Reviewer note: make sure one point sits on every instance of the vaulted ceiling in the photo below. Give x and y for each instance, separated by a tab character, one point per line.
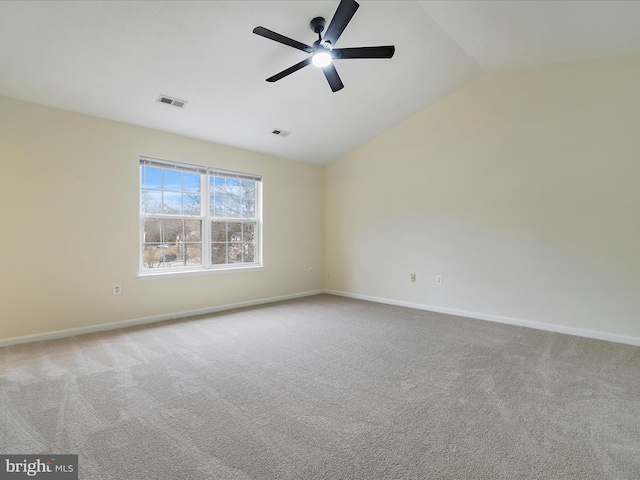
113	59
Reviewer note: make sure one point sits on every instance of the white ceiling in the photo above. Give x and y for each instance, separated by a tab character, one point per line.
113	58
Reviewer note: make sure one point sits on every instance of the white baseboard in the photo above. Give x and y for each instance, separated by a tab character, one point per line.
612	337
580	332
71	332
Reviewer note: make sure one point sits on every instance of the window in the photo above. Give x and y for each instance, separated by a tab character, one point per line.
197	218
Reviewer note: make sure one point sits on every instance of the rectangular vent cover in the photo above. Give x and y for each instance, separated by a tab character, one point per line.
172	101
280	132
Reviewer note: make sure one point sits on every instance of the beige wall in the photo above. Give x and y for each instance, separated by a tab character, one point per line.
521	189
69	230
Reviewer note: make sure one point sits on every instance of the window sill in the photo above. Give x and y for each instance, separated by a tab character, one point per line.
197	272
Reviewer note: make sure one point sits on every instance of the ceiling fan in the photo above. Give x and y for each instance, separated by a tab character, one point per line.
322	51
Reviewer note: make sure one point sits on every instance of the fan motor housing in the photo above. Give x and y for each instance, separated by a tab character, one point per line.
317	24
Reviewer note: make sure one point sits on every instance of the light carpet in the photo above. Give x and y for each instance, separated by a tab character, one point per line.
326	387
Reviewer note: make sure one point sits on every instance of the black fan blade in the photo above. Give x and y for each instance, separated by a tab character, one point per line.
340	20
271	35
333	78
289	70
364	52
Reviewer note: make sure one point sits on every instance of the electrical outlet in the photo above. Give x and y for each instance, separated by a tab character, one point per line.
413	277
310	271
438	279
116	289
328	274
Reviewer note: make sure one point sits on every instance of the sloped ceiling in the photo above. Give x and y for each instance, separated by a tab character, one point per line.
113	60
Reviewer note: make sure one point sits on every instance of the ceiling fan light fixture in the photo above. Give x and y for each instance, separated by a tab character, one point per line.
322	59
323	52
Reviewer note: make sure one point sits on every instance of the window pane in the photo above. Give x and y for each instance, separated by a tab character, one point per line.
172	203
193	253
144	199
151	201
152	177
234	206
172	180
248	208
233	186
191	204
248	199
220	207
230	197
248	189
219	253
234	232
192	230
249	252
152	230
150	256
235	252
234	191
191	182
217	185
218	231
169	258
172	230
248	232
186	254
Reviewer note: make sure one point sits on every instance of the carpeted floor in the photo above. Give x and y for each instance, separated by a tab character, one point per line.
326	387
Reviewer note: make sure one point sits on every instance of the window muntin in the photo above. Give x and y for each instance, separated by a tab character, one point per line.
171	242
233	242
170	192
232	197
197	218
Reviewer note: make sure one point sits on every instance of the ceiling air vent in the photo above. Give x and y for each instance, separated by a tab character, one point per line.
280	132
176	102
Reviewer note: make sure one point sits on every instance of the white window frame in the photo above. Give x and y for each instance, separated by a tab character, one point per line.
206	173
